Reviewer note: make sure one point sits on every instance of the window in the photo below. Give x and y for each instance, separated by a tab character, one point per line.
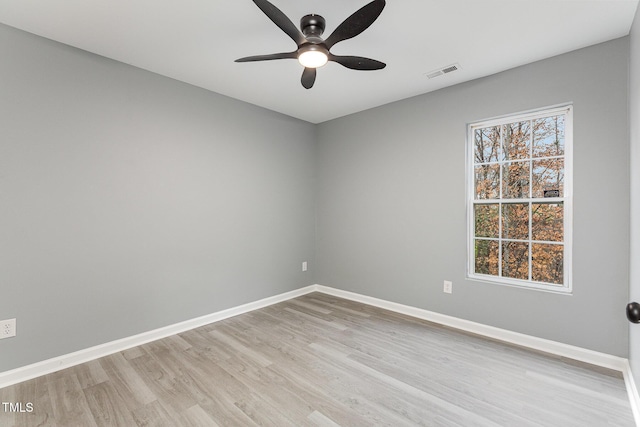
519	200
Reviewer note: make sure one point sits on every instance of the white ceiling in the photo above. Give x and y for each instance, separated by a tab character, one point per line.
196	41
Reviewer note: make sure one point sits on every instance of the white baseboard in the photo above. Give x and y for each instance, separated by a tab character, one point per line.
541	344
44	367
576	353
632	391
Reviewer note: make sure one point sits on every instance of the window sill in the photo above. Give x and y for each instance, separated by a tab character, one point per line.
529	286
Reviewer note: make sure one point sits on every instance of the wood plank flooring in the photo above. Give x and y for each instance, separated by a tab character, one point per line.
318	360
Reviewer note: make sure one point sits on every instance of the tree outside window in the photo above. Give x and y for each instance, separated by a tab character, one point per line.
518	199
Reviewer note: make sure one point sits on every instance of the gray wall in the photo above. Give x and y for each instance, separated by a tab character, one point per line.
129	201
634	123
391	200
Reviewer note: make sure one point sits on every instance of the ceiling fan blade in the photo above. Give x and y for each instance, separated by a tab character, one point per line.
308	77
356	23
284	55
281	20
357	62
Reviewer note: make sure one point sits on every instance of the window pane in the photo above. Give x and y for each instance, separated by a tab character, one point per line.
515	260
517	137
548	136
486	252
487	144
547	263
515	180
547	222
517	234
548	178
515	221
487	181
486	219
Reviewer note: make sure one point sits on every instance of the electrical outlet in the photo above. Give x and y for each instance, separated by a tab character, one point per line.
7	328
448	287
304	266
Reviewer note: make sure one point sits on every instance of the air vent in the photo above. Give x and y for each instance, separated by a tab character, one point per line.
441	71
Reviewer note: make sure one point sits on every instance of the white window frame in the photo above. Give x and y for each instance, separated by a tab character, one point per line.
567	200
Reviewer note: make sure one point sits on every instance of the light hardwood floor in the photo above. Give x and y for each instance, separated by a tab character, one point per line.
318	360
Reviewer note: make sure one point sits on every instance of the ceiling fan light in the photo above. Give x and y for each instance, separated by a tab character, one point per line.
313	57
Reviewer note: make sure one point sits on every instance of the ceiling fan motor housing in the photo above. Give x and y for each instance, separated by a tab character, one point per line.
312	25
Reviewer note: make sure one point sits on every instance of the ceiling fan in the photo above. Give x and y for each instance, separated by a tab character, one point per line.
313	51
